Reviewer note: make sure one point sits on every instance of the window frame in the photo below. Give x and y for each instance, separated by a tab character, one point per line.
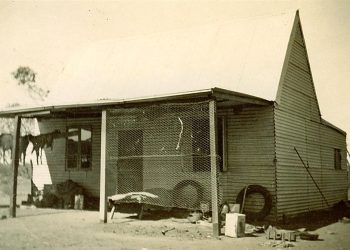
78	167
337	159
223	163
196	159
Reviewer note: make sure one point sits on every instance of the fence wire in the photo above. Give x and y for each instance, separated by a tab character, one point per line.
163	150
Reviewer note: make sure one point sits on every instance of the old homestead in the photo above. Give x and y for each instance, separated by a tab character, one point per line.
205	146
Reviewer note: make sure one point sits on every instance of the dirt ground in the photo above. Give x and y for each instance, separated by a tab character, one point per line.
68	229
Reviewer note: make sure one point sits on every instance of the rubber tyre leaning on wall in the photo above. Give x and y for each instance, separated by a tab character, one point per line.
267	201
183	184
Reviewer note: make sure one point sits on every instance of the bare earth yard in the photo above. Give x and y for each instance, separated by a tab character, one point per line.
69	229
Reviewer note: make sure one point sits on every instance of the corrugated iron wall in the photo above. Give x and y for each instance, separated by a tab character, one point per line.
298	124
250	152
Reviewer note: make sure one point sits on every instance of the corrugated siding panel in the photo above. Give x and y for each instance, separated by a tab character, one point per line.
298	124
250	148
55	159
299	37
298	57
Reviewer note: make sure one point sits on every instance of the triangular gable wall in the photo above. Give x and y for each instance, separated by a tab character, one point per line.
298	125
296	75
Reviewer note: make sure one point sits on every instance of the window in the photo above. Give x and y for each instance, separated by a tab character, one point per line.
337	158
78	148
201	144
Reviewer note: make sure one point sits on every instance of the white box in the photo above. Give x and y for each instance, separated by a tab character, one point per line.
235	225
79	202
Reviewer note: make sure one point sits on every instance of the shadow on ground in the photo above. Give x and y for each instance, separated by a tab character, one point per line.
152	212
314	220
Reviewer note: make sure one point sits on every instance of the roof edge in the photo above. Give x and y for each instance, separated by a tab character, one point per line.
204	93
330	125
229	94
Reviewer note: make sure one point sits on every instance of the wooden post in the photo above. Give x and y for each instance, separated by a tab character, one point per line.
214	169
15	162
103	197
32	192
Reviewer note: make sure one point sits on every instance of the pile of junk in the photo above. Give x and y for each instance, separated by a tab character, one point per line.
64	195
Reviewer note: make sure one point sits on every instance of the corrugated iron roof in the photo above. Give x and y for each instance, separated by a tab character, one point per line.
221	95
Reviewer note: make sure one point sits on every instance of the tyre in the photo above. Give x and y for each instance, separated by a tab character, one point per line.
265	210
183	198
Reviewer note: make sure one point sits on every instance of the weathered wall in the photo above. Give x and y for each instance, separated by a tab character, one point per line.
250	148
55	159
298	124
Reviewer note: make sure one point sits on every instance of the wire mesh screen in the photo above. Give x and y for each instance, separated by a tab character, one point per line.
163	151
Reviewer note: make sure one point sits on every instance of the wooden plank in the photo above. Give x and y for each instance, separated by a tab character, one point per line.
214	169
103	186
15	162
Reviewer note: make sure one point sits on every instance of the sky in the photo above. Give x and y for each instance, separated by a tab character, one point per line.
45	34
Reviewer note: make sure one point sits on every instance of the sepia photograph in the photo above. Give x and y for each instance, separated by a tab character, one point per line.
174	124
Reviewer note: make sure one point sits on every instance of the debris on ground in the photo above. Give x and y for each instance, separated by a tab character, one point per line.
302	229
308	236
273	233
167	230
194	217
205	209
278	243
251	229
278	234
259	229
344	220
61	195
